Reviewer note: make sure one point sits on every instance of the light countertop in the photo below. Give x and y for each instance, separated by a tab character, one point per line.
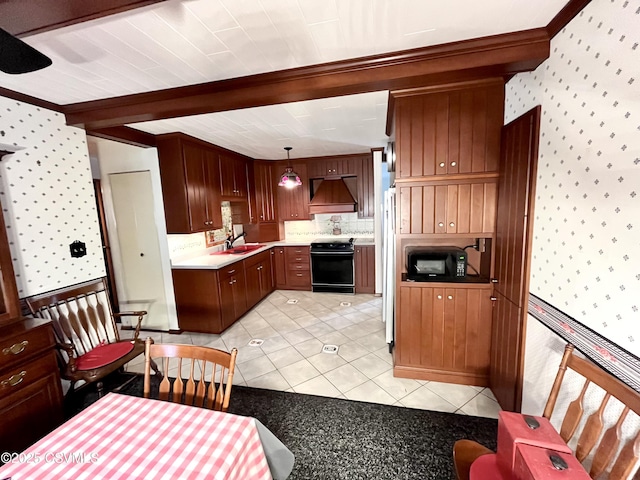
216	262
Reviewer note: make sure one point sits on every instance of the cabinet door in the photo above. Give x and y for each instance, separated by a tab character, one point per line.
239	293
9	303
253	284
265	192
280	268
364	260
446	332
240	177
452	208
196	178
293	203
227	170
214	207
365	187
197	300
449	132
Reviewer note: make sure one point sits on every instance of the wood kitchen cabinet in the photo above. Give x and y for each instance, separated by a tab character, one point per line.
292	267
30	392
293	203
258	277
232	287
443	332
448	130
263	225
364	265
9	302
448	207
190	187
365	186
233	176
341	166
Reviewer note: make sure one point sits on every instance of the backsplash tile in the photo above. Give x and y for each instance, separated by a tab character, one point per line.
322	226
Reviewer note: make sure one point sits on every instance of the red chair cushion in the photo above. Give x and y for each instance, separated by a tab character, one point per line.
103	355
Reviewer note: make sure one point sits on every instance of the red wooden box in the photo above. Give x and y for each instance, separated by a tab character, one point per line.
536	463
513	430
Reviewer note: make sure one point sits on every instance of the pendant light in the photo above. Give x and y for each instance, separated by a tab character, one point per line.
289	178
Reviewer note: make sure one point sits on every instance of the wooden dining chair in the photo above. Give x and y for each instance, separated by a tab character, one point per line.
88	343
207	372
605	446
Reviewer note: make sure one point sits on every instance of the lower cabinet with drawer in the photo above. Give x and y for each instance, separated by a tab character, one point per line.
30	389
293	268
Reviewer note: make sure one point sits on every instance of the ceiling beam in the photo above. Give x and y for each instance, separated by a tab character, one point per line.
124	134
495	55
564	16
22	18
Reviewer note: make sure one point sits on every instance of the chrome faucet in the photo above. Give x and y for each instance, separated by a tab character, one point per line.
228	243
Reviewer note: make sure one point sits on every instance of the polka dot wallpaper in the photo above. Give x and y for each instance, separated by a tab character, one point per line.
47	198
586	246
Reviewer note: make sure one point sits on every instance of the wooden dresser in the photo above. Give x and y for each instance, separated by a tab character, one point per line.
30	389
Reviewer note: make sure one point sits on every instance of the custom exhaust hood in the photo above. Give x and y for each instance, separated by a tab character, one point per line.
332	196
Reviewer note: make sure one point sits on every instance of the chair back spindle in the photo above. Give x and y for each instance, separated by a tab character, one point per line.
204	382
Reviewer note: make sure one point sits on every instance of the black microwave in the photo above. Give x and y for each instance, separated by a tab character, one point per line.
436	264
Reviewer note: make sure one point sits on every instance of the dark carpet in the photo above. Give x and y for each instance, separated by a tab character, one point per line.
343	439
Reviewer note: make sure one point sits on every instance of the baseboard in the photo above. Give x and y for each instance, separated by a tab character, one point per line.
447	376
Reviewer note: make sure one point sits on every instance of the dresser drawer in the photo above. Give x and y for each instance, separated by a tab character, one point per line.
19	347
13	380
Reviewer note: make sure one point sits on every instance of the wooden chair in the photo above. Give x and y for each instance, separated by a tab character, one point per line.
89	346
591	438
206	366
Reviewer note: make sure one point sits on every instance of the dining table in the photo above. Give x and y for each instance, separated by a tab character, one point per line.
127	437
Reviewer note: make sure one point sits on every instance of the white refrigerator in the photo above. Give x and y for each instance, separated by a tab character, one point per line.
389	264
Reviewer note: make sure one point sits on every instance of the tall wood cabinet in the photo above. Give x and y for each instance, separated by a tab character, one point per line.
447	157
30	389
293	203
190	184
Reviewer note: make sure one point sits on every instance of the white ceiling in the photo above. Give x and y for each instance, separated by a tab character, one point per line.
183	42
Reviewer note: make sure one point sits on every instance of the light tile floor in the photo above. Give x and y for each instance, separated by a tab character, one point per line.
295	326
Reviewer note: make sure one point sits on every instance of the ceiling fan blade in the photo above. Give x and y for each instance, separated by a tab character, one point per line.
18	57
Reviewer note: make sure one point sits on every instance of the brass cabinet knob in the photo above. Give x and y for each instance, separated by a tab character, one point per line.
453	164
441	164
450	297
441	224
439	297
452	224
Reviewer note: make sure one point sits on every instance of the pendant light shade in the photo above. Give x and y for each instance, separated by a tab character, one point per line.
289	178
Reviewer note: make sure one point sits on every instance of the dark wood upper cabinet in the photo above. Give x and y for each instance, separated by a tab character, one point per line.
233	176
9	303
190	189
264	192
449	130
293	203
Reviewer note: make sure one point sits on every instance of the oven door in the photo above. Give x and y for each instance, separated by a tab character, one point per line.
332	269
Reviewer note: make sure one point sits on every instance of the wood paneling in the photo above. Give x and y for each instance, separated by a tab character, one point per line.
365	268
449	132
265	191
444	329
496	56
456	207
516	192
28	18
570	10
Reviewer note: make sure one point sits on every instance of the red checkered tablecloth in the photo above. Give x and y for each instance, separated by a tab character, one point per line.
124	437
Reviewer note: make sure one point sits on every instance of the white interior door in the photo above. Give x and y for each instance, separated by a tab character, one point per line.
141	283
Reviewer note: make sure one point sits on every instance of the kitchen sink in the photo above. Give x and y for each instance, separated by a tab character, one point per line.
239	250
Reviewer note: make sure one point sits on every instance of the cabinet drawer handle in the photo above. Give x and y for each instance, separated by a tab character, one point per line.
441	224
14	379
298	274
450	297
298	259
494	280
16	348
231	271
493	299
